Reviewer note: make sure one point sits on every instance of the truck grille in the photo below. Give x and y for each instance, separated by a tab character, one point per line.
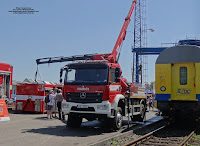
89	98
82	109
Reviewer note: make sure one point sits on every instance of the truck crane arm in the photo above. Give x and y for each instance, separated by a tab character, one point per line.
113	57
64	59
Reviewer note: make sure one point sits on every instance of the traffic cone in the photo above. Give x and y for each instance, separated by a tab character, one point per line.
4	116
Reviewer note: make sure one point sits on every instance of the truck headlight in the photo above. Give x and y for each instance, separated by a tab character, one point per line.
65	105
102	107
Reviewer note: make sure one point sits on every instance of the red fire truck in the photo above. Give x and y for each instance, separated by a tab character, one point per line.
6	72
94	88
30	97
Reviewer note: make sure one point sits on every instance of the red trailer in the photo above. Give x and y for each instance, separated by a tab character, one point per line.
6	72
30	97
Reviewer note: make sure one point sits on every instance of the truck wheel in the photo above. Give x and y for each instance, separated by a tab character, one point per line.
141	116
74	121
117	121
143	113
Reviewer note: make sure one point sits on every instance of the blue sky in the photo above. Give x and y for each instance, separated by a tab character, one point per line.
75	27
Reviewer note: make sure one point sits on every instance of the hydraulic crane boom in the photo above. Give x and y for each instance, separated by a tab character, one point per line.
122	35
111	57
64	59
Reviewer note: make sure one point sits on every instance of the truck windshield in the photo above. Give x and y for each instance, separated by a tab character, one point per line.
86	76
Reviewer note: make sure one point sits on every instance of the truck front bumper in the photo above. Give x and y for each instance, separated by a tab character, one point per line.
103	108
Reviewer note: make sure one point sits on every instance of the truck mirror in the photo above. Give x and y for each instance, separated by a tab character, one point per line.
117	80
60	80
117	72
61	72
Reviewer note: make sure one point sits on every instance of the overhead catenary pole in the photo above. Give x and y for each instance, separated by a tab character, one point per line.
140	63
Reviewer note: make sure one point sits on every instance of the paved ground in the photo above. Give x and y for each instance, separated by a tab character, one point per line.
35	129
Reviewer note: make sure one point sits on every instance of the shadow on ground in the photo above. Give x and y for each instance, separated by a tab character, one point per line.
23	113
64	131
89	128
11	111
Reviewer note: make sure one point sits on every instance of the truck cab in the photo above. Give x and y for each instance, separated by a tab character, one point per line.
88	91
94	90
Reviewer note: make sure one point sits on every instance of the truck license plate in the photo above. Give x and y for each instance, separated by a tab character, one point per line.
82	106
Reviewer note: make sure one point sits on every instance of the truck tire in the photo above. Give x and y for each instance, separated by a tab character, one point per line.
74	121
141	116
143	113
116	123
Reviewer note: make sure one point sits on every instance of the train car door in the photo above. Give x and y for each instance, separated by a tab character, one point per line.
183	82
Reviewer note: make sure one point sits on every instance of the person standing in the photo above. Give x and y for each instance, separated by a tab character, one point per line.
50	104
54	110
153	101
59	100
150	102
55	89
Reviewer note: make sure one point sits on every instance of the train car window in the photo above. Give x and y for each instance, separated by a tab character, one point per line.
183	75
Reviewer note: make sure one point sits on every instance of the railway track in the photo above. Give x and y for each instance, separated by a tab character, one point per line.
151	139
128	135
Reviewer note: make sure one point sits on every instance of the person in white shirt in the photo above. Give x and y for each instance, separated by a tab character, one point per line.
55	89
50	104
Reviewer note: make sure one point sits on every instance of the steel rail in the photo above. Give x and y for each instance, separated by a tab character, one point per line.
187	139
143	137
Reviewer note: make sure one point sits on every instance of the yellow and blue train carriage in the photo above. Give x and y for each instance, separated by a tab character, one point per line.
178	81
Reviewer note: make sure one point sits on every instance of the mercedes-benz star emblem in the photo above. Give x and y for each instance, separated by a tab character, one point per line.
83	95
